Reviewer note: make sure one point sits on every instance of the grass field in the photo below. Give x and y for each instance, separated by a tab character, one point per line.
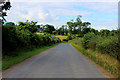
9	61
61	37
39	33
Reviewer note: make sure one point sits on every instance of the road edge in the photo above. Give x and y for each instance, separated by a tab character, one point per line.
102	70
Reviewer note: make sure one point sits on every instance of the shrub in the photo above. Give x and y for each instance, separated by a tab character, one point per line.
85	40
23	38
65	40
17	38
94	41
109	46
31	26
69	38
9	41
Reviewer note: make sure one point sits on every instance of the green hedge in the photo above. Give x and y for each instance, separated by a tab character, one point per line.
108	45
14	39
85	40
104	60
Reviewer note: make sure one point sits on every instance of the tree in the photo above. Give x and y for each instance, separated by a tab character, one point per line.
113	32
86	24
31	26
70	27
4	6
63	30
79	23
54	32
66	30
74	28
10	24
104	32
49	28
94	31
59	31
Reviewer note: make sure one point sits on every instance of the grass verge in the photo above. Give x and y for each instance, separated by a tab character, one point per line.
105	61
9	61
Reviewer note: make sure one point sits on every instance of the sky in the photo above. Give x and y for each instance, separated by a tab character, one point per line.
101	14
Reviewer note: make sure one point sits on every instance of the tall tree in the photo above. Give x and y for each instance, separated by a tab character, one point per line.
86	24
63	29
70	27
49	28
79	23
66	30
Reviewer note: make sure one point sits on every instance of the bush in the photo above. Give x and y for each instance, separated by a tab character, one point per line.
109	46
31	26
85	40
23	38
94	41
15	38
69	38
65	40
9	41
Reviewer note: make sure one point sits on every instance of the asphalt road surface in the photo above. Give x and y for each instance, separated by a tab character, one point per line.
62	61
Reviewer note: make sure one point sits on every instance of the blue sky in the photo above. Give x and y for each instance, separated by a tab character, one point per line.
102	15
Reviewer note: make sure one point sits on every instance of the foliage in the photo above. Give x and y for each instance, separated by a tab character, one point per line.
9	38
49	28
104	33
104	60
22	37
65	40
4	6
108	45
31	26
87	37
94	41
69	38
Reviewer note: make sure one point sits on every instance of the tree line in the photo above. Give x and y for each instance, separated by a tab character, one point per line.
76	27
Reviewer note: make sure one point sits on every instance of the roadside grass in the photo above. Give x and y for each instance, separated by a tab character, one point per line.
104	60
9	61
61	37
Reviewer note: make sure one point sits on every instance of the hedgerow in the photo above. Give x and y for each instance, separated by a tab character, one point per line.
87	37
15	38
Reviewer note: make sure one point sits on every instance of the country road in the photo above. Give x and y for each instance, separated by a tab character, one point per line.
62	61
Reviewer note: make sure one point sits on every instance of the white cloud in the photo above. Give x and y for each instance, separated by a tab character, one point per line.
49	12
36	12
104	27
70	12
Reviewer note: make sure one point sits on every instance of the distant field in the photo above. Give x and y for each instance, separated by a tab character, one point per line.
61	37
39	33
